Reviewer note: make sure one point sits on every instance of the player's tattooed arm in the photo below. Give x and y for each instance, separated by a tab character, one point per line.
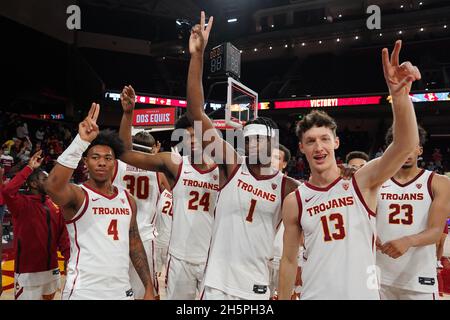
138	256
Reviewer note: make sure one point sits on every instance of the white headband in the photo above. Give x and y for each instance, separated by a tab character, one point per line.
142	146
259	130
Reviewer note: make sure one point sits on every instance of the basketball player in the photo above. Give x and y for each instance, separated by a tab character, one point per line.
146	187
336	216
248	208
413	207
194	191
101	219
164	226
356	159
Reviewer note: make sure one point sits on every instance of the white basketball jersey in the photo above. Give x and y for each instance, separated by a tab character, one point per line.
278	244
248	212
402	211
99	248
164	219
145	187
339	242
194	199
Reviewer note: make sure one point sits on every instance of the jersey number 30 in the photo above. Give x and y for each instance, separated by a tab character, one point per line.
138	187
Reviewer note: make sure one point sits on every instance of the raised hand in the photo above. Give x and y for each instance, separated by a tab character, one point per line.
128	99
399	77
88	129
36	160
199	35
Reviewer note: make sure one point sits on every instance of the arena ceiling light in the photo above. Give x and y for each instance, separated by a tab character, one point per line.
356	38
401	7
421	29
400	32
340	16
231	20
380	34
272	26
285	45
320	41
270	48
445	26
338	40
303	44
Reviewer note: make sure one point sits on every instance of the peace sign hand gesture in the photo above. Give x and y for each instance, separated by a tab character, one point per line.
199	35
88	129
399	78
128	99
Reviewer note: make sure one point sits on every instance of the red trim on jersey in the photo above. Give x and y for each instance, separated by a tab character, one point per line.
358	193
86	205
129	201
373	242
300	206
17	295
331	185
278	225
409	182
203	294
167	270
116	168
430	190
283	187
204	171
178	175
230	177
259	177
116	192
78	258
160	188
155	277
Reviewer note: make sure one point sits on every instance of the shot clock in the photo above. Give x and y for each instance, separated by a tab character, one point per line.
225	59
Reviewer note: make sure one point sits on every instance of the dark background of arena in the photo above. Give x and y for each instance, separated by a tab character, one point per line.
48	69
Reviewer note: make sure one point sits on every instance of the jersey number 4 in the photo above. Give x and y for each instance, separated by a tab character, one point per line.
194	202
338	226
112	229
138	187
407	208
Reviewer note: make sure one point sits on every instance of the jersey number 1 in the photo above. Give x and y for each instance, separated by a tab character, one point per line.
112	229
